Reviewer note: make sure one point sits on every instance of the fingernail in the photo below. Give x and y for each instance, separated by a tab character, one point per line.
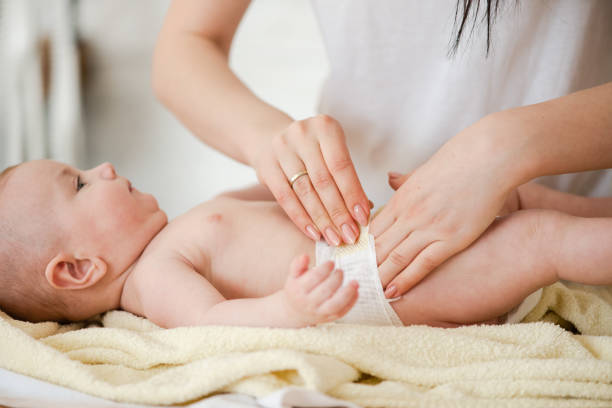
313	233
360	215
349	234
332	236
356	230
393	174
390	292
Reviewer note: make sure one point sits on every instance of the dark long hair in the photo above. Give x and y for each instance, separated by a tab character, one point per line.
467	9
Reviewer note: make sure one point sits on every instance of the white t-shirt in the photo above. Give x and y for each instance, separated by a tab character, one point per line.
399	97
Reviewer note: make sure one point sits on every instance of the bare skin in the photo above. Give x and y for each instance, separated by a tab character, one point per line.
423	224
235	248
239	260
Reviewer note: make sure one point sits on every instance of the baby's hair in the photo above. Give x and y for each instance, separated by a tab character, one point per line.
24	294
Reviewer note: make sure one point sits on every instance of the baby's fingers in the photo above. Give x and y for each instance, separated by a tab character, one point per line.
326	288
298	266
311	279
341	302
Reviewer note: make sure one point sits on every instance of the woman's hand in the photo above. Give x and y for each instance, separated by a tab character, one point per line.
309	171
442	207
512	203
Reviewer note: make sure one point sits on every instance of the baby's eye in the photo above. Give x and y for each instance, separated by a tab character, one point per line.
79	183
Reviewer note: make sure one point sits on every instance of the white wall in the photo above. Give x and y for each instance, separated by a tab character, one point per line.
277	52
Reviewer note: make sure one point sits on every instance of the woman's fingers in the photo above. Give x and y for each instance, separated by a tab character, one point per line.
326	186
397	179
305	194
404	252
311	202
383	220
389	216
338	160
327	190
389	240
288	200
425	262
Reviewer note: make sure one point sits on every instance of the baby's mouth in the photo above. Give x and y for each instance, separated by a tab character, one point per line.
130	186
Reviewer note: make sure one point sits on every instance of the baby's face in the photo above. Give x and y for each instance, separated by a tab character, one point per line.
101	212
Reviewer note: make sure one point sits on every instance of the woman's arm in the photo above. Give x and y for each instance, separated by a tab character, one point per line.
451	199
191	76
569	134
257	192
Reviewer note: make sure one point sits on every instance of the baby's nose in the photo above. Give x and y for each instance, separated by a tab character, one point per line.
107	171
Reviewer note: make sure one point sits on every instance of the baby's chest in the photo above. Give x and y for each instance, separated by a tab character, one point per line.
242	246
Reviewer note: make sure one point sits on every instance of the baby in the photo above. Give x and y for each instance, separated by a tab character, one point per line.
77	243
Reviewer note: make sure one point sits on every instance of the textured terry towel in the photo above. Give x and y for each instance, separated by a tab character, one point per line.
126	358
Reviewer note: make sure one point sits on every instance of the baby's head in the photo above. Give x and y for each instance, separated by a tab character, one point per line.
67	237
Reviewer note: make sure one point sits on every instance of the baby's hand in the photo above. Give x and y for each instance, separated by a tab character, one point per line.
315	295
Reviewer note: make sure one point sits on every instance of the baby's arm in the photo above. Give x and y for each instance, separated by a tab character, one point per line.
171	294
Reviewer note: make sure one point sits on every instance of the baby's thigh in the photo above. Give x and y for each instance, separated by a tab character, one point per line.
484	281
475	285
437	302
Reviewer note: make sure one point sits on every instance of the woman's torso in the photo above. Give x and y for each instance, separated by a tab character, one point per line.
399	96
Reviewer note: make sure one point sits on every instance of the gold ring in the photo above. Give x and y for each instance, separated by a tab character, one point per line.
296	176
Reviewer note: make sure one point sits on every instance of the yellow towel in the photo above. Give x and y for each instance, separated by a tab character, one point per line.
126	358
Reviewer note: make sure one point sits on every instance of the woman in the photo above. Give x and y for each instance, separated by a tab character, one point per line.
473	98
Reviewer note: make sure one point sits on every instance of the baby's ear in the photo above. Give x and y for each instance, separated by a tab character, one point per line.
65	271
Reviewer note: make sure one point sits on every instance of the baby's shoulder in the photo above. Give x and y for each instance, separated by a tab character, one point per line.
204	230
190	237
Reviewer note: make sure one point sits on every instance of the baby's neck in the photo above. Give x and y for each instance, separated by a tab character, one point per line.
128	298
102	297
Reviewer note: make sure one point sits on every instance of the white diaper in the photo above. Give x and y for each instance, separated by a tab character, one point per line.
358	262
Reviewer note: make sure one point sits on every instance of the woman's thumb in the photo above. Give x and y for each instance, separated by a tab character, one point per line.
397	179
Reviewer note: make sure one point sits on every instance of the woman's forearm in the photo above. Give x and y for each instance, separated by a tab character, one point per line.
192	78
564	135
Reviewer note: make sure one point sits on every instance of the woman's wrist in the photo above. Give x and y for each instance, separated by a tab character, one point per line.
499	146
519	131
261	140
562	135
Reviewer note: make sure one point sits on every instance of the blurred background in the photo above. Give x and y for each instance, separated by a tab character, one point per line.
75	86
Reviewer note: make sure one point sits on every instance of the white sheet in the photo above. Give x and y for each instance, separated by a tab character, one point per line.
19	391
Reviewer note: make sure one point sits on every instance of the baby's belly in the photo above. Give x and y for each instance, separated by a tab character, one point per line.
254	249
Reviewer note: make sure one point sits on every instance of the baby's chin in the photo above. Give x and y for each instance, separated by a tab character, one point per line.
146	197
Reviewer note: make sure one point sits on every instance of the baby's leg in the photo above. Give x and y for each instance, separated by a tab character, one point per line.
534	195
583	249
488	279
